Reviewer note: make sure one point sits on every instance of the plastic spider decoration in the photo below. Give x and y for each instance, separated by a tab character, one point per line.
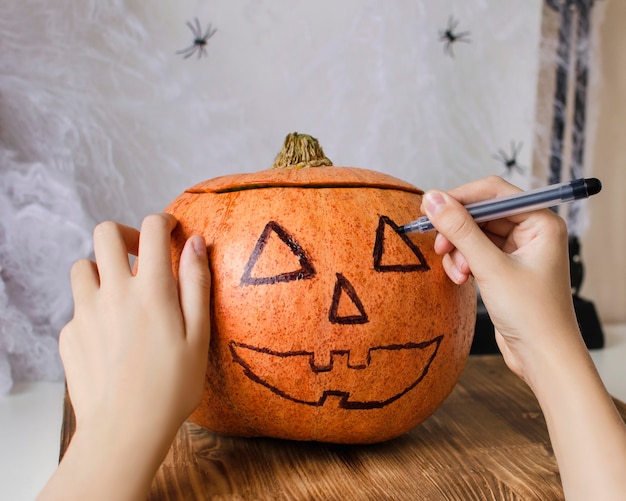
510	161
200	40
450	36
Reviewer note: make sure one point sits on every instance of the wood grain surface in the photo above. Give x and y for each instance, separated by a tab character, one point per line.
488	441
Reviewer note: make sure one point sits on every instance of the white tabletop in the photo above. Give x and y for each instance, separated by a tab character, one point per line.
31	415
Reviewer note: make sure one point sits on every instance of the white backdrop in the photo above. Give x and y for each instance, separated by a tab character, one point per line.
101	119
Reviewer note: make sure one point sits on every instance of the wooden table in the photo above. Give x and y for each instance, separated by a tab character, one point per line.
488	441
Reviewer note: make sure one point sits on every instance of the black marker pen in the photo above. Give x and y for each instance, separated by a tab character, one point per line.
519	203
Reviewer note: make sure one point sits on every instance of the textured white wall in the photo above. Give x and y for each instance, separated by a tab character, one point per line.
101	119
371	80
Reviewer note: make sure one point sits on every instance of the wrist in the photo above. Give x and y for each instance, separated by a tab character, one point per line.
109	454
556	355
130	440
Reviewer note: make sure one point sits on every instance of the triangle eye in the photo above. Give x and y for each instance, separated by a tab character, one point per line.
394	251
276	257
344	287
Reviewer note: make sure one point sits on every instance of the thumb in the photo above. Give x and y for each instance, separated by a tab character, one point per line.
194	280
453	221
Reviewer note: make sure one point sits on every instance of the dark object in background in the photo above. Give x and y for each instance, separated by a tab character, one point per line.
588	320
586	315
200	40
484	342
450	36
510	160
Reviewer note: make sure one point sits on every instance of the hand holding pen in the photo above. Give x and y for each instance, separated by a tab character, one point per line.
521	266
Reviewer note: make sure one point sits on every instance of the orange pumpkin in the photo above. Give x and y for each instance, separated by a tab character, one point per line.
327	323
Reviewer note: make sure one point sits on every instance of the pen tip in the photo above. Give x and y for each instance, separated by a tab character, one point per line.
593	186
401	230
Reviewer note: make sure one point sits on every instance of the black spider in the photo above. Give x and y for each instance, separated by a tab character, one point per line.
200	40
510	162
450	37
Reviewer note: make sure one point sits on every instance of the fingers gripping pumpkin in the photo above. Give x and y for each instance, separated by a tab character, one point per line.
327	323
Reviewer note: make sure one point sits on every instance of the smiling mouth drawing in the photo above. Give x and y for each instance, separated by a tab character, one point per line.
293	375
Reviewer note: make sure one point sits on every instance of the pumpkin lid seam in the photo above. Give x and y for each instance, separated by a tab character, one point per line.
260	186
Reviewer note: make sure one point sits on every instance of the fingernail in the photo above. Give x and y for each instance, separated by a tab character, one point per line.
456	273
199	245
434	202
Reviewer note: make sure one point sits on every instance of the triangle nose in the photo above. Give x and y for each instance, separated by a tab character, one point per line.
344	288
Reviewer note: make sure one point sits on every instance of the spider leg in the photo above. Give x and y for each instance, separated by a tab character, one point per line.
208	33
501	156
191	28
191	48
462	37
198	30
188	52
187	49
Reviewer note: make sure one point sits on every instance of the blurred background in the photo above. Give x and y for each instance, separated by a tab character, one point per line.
103	117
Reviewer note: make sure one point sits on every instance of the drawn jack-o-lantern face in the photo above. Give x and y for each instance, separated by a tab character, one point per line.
328	324
344	308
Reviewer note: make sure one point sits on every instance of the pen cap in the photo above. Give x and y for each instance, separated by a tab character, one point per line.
586	187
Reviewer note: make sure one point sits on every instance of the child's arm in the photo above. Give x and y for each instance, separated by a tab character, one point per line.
521	267
135	356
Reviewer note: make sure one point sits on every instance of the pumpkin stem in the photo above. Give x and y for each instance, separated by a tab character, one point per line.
300	150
